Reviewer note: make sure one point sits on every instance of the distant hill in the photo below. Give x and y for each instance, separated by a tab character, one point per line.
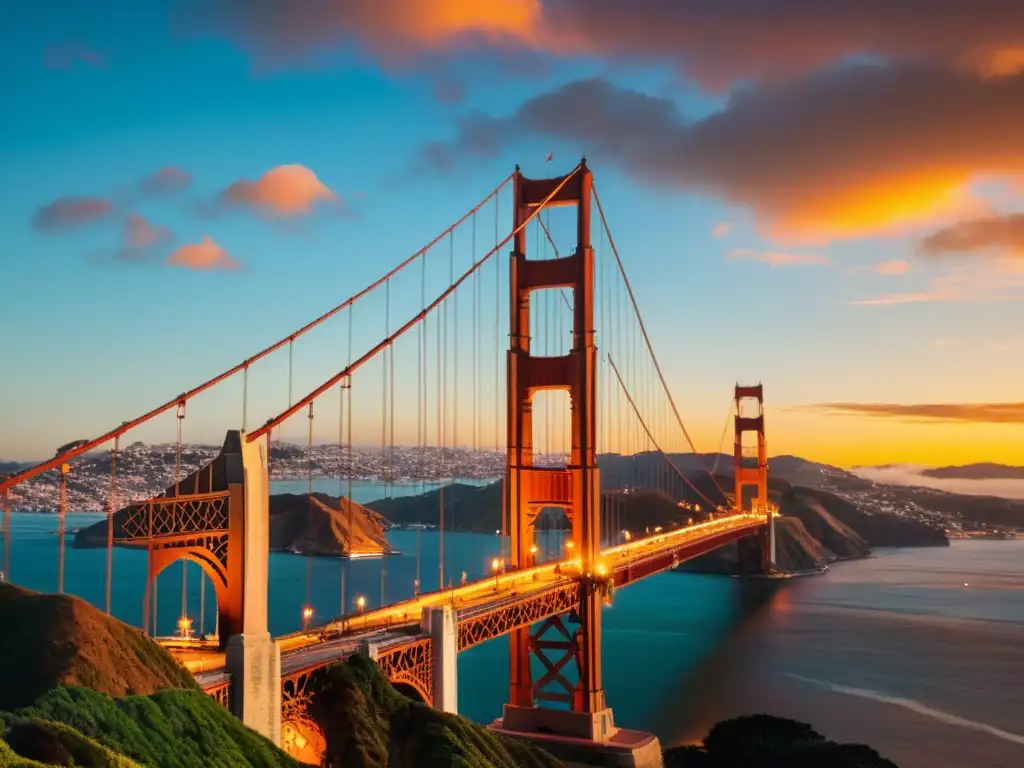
325	525
477	509
982	471
819	527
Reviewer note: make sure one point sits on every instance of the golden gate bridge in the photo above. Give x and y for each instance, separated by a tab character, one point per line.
572	329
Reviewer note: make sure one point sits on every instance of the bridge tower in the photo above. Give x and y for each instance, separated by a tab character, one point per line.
575	488
219	518
756	476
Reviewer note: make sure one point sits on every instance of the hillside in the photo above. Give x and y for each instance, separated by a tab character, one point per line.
981	471
796	551
54	640
878	530
169	729
368	724
325	525
478	509
824	526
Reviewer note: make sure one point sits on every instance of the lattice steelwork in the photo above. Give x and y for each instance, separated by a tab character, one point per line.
479	625
221	693
173	517
411	664
295	697
553	635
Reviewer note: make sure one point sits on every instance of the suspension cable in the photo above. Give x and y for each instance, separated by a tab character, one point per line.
643	424
56	461
440	448
647	339
369	355
721	440
497	326
177	493
455	378
308	608
111	507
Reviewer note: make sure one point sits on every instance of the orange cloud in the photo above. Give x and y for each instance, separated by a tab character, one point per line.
721	229
996	62
205	255
397	30
69	212
892	267
850	152
718	42
777	259
287	190
978	413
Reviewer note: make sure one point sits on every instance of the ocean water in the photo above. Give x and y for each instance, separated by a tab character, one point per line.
894	651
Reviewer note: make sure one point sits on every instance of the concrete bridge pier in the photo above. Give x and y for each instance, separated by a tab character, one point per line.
441	624
253	657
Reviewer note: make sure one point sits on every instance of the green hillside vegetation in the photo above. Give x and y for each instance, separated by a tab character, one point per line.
53	640
31	743
169	729
367	723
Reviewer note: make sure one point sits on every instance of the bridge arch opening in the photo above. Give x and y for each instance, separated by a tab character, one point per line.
552	530
205	587
552	422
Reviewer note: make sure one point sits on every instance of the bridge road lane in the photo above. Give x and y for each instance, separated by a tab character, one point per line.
615	562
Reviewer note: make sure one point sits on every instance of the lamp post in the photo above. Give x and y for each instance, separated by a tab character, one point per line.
495	565
307	616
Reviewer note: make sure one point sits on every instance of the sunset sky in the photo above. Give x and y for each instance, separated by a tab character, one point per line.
821	195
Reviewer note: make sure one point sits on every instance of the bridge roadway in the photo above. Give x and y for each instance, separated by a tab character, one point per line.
621	564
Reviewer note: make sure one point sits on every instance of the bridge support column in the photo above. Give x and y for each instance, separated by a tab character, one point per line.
440	623
253	657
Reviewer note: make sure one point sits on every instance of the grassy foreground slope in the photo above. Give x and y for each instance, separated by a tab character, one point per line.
367	723
169	729
54	640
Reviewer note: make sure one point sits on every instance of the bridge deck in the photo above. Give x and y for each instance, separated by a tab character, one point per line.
624	564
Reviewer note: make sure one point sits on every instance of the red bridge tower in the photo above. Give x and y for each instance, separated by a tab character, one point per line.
574	489
757	476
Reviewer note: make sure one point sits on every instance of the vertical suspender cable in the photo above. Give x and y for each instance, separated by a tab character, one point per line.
308	608
177	494
111	508
440	446
455	374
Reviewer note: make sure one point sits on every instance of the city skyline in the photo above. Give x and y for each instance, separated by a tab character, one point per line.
203	178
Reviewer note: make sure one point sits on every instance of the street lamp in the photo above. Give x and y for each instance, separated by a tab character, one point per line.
307	615
533	553
360	603
185	627
495	565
